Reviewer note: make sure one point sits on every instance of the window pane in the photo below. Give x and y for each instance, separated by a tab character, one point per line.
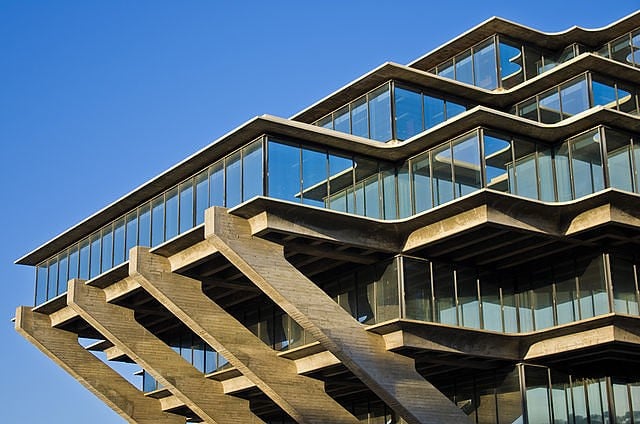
549	107
73	262
367	180
627	100
417	289
84	259
95	255
528	109
283	171
107	249
446	69
202	196
454	109
442	179
604	94
341	120
484	65
497	156
171	214
621	402
63	273
421	180
542	297
511	71
567	309
593	294
41	283
433	111
575	97
619	160
380	114
144	225
314	177
408	113
233	180
563	175
526	176
444	293
52	287
186	206
216	184
491	305
466	164
132	232
252	170
340	181
621	50
545	175
537	395
359	118
326	122
404	192
389	194
586	164
625	299
387	304
118	242
157	221
464	70
468	300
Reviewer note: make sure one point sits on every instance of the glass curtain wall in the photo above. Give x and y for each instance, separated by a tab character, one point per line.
584	164
625	49
577	95
500	62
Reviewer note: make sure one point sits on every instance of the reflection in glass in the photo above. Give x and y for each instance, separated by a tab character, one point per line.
380	114
202	196
625	291
408	109
442	178
144	225
252	171
284	171
497	152
157	221
84	259
171	213
586	164
421	179
314	177
575	97
466	164
132	232
464	69
216	184
619	161
433	111
549	107
118	241
52	287
511	70
186	206
95	255
359	118
484	65
233	180
63	268
107	249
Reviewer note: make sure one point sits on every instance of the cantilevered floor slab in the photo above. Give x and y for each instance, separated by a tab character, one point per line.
303	398
100	379
203	396
391	376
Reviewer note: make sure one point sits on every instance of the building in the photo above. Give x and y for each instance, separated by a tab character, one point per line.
449	241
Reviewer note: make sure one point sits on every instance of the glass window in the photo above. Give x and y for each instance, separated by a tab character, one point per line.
621	50
546	175
252	171
233	179
144	225
549	107
283	171
563	174
198	354
466	164
340	180
341	120
468	299
627	100
453	109
107	249
497	157
446	69
484	65
464	69
567	309
202	195
216	184
593	293
63	273
575	97
380	114
389	194
619	162
417	289
511	70
95	255
132	232
526	175
73	262
314	177
491	305
542	299
529	109
387	303
586	164
118	242
41	283
52	287
625	292
171	214
186	205
621	402
326	122
84	259
433	111
359	118
366	175
421	180
157	221
537	394
404	191
442	178
408	111
365	288
604	94
444	294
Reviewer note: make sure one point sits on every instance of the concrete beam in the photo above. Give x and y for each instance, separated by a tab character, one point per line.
277	377
203	396
110	387
391	376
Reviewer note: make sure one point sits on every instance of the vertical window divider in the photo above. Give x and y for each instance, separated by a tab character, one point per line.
433	294
608	280
604	156
401	283
496	46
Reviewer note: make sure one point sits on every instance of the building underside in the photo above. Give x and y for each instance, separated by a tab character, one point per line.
481	269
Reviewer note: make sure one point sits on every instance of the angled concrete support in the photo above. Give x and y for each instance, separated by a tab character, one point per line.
101	380
203	396
277	377
391	376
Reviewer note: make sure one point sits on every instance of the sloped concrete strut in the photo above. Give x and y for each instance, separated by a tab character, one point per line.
100	379
303	398
391	376
203	396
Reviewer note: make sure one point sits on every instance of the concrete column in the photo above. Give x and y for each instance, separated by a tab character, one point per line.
203	396
303	398
101	380
391	376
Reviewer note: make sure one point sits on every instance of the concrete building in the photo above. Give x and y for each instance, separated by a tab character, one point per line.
450	241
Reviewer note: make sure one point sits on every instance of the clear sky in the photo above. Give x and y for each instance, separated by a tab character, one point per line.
96	97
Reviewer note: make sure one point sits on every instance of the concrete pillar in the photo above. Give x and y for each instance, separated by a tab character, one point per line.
391	376
303	398
203	396
101	380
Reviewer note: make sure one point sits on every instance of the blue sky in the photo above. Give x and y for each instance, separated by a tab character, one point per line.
98	97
